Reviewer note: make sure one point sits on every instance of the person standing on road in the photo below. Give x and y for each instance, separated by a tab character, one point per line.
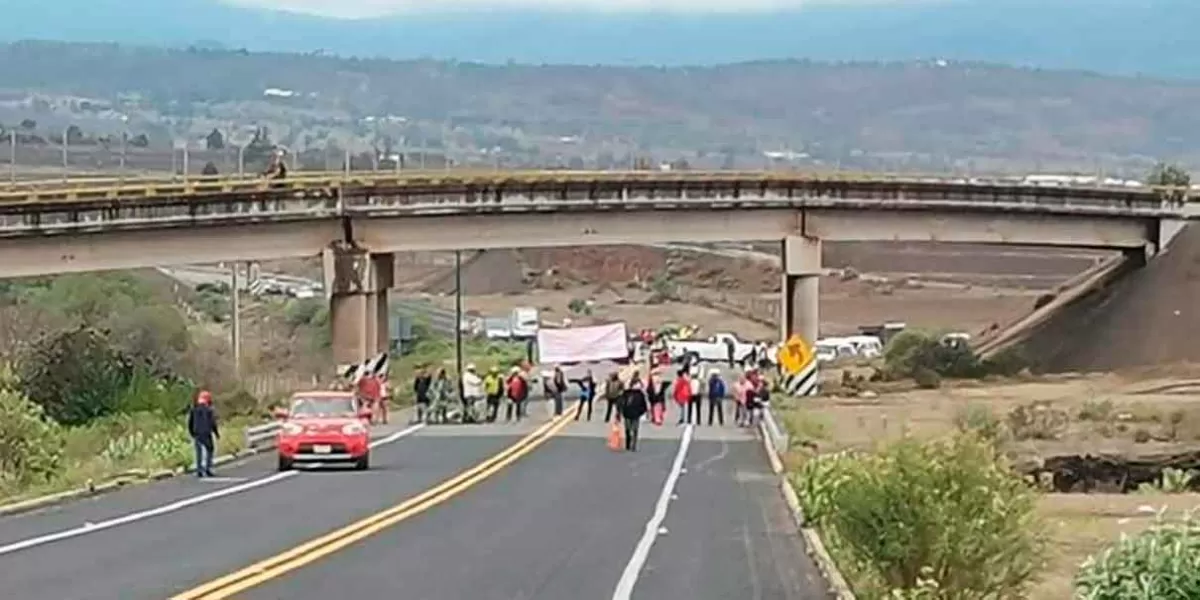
439	393
682	394
633	408
730	351
558	389
517	390
587	393
472	387
716	397
696	400
613	390
493	388
421	384
656	394
202	425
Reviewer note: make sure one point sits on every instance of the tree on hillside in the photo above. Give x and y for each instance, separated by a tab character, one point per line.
1170	176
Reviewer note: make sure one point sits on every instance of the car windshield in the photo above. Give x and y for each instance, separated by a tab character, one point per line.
322	407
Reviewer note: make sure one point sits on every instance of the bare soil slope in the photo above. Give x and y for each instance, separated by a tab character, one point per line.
1150	317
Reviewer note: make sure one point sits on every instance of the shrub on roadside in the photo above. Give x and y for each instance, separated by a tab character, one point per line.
912	353
1162	563
31	445
945	519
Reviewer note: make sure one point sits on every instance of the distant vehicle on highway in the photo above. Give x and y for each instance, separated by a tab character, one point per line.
324	427
713	349
524	322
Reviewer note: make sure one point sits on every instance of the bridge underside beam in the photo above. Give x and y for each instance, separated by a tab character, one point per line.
1019	229
549	229
76	253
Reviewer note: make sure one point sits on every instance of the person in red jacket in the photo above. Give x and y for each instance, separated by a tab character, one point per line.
682	394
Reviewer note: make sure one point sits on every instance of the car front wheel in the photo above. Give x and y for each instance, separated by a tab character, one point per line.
363	463
285	464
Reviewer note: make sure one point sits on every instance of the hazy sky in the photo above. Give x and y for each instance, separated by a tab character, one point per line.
370	8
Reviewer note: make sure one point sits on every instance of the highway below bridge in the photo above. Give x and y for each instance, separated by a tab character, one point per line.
535	510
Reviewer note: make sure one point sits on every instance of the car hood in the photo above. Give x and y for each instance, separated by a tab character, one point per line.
322	425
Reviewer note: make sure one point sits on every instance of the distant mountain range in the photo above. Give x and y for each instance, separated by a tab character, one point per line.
1152	37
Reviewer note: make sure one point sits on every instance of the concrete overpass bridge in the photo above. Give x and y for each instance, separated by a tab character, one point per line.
358	221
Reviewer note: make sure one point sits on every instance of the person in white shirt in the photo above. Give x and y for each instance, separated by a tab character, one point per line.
472	386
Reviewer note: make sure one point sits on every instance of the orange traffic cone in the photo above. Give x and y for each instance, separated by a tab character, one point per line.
616	438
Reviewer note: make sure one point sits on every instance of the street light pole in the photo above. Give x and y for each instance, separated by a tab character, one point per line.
458	315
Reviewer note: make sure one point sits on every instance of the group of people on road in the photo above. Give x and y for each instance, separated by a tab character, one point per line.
434	393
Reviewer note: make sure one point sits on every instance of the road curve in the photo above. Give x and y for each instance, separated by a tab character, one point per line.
697	518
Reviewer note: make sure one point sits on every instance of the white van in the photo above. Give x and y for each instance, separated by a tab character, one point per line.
866	346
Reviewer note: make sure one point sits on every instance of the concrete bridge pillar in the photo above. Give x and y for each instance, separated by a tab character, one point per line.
799	312
357	283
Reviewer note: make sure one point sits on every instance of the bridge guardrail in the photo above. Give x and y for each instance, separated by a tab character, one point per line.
262	437
333	181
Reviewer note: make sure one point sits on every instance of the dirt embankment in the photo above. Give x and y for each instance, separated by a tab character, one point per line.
1149	318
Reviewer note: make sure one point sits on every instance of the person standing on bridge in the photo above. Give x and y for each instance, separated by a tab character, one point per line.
202	425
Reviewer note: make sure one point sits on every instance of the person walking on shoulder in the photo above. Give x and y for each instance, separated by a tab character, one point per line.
633	407
202	425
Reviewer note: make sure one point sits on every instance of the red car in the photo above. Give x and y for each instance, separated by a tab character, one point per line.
324	427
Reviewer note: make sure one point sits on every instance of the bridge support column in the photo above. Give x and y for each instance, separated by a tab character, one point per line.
357	283
800	312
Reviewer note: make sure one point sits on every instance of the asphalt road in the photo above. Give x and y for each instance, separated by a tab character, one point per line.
569	520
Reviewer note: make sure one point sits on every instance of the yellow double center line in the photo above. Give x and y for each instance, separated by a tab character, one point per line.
293	559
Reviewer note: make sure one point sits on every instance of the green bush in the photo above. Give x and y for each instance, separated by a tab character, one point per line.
915	354
144	393
75	376
945	519
31	445
1162	563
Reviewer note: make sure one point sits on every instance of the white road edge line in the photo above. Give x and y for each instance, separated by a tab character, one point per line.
177	506
642	551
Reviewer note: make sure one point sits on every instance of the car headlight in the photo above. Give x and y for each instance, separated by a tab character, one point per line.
292	429
353	428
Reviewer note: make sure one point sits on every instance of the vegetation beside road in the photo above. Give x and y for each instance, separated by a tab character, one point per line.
914	492
98	373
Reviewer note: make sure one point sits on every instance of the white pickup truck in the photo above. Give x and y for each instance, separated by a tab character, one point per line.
713	349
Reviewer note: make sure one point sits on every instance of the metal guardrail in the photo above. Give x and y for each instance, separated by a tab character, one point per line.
448	180
778	435
435	318
262	437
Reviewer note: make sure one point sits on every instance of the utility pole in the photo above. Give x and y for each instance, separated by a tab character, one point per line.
458	315
237	319
12	155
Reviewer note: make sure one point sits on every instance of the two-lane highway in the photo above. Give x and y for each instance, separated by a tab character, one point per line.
694	514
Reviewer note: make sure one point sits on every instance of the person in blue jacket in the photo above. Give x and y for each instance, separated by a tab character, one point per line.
202	425
716	398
